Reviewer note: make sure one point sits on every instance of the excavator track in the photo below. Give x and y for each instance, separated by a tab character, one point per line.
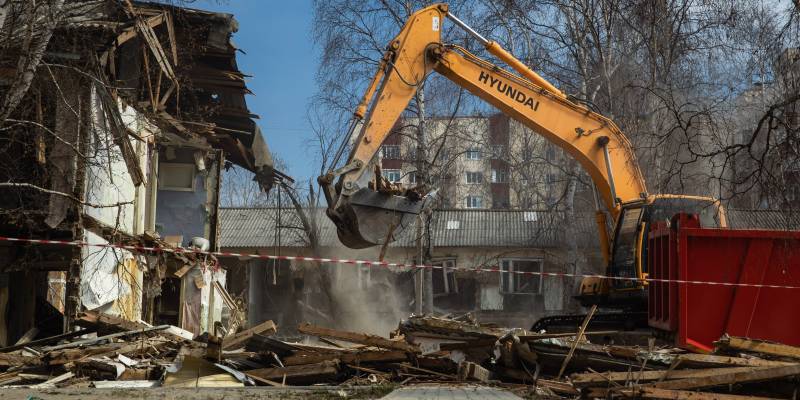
622	321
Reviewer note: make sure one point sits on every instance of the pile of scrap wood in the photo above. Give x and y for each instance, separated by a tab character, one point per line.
110	352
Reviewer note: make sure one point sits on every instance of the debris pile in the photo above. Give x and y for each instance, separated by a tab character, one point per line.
111	352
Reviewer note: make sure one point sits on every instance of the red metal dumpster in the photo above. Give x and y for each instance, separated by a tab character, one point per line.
700	313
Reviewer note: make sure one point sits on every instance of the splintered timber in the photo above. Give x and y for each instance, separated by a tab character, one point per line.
504	87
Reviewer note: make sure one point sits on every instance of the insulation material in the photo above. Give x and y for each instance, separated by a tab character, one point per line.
108	181
111	279
491	299
56	289
201	302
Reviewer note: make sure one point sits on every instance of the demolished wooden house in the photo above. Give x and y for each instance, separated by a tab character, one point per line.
422	350
116	121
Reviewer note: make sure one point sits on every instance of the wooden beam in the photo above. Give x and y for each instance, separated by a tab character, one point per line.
707	360
596	378
297	373
366	356
265	328
577	340
654	393
758	346
46	340
751	375
355	337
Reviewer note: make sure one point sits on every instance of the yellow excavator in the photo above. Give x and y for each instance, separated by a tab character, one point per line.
368	211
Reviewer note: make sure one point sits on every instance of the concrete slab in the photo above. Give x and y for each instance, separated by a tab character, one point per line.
449	392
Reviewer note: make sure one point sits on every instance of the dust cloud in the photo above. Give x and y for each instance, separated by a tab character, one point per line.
366	299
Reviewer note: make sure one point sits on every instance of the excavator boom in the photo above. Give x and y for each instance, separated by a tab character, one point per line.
368	211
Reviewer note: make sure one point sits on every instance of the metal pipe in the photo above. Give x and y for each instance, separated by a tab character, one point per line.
603	140
469	30
498	51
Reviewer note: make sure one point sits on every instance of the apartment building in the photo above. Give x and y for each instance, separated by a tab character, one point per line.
478	162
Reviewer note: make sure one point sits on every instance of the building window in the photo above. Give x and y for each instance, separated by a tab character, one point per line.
392	175
550	154
444	278
176	177
390	152
515	279
499	176
473	154
412	177
474	202
474	177
551	178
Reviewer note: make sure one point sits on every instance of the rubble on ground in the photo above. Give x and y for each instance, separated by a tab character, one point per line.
109	352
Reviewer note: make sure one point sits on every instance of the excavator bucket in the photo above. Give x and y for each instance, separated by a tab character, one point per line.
369	218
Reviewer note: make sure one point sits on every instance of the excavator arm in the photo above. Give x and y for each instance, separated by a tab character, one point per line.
368	213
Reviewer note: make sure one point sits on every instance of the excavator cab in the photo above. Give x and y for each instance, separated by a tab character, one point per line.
628	259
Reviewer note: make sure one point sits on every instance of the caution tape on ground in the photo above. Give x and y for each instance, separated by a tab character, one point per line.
385	264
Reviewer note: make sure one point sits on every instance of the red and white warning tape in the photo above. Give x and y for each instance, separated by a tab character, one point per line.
370	263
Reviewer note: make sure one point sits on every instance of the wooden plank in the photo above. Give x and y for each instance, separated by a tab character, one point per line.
28	336
265	328
577	340
46	340
469	371
758	346
540	336
104	338
751	375
707	360
16	360
111	324
366	356
596	378
655	393
355	337
297	373
52	382
264	344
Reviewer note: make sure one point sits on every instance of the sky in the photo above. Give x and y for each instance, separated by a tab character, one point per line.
281	59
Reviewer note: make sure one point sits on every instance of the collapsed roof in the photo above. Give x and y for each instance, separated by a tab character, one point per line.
175	64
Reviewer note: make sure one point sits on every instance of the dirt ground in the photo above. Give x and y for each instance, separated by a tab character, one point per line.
259	393
392	392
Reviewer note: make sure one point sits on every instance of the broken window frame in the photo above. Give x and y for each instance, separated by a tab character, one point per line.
510	281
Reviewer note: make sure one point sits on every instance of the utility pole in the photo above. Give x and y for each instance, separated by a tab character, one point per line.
420	273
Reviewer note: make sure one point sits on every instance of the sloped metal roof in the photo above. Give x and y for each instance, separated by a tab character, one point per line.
764	219
257	227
